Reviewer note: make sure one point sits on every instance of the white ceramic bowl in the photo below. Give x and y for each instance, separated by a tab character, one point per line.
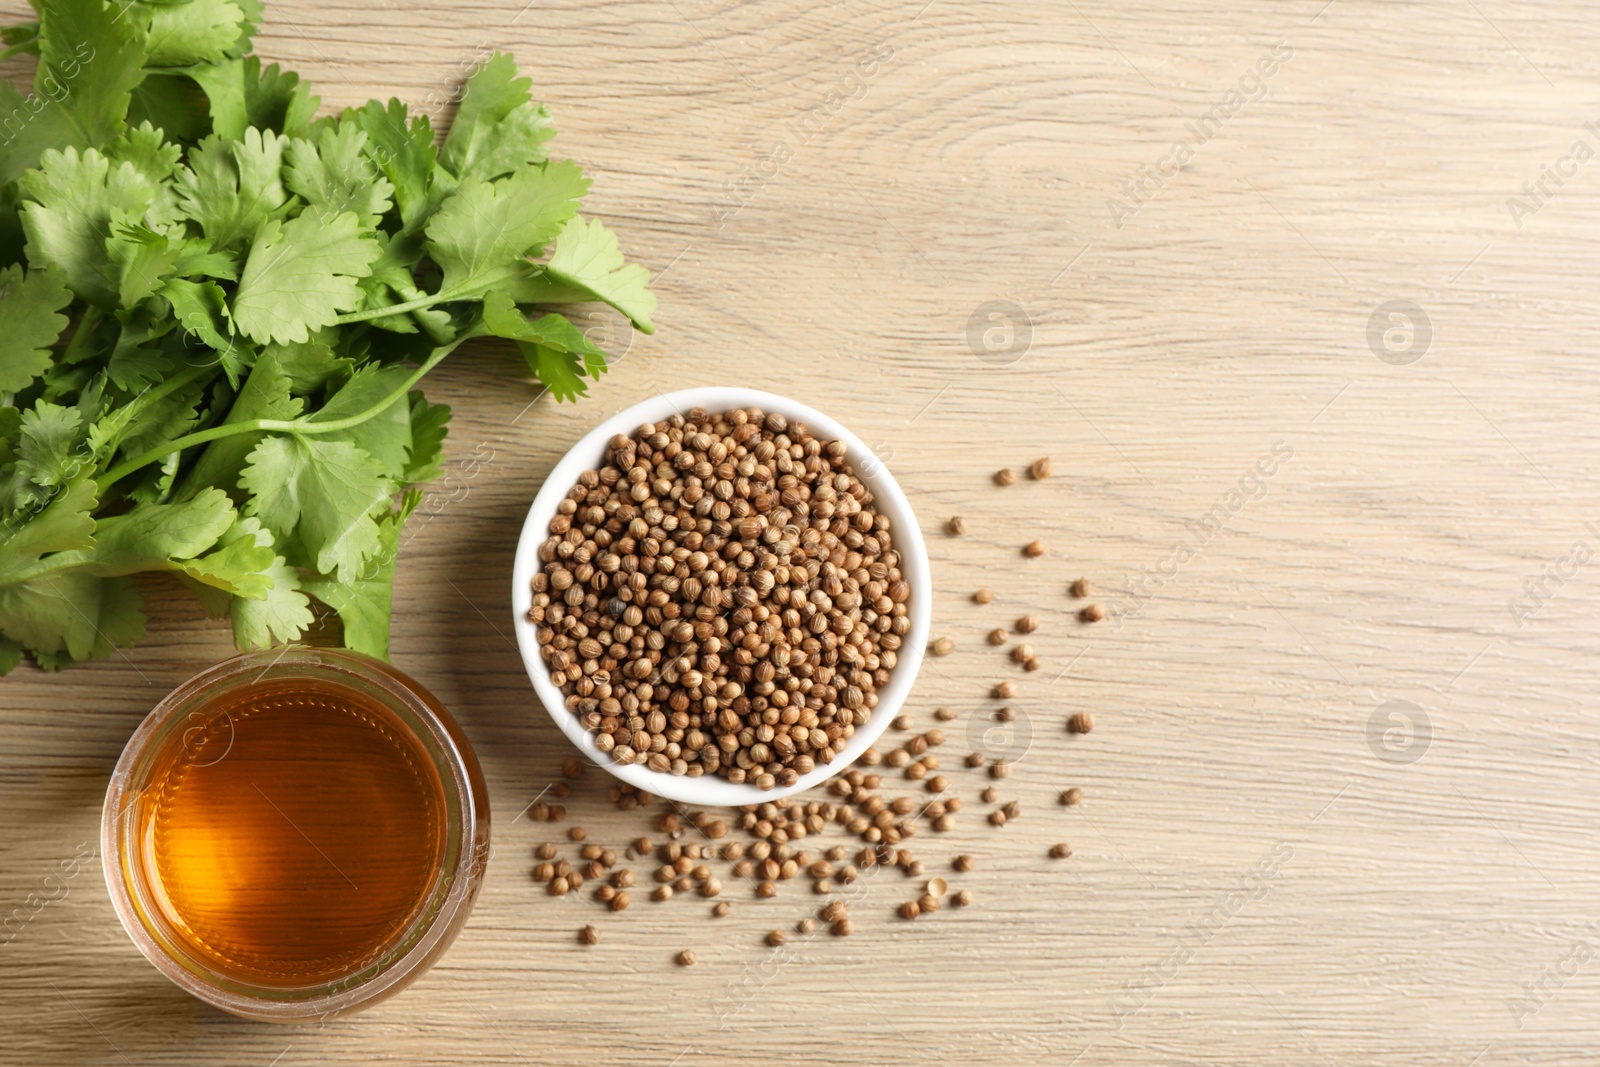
889	500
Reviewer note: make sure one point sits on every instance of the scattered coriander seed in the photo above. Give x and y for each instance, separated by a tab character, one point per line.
1000	769
661	892
1040	469
914	869
1022	653
1005	476
998	636
937	784
963	863
806	925
589	935
572	767
982	596
1092	613
1004	714
620	902
1072	796
901	722
1060	851
545	851
559	885
544	872
605	893
721	910
989	795
766	890
975	759
1082	588
642	846
961	898
997	818
934	737
686	958
944	714
936	886
945	823
843	928
1081	722
1013	809
1027	624
834	910
1032	664
577	833
561	790
776	938
942	647
1033	549
956	526
910	910
1003	691
928	903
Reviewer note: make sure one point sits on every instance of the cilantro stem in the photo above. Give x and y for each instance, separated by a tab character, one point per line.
295	426
31	45
420	302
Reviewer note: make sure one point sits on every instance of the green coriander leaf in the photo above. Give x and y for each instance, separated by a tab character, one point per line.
200	31
335	175
133	368
497	129
75	198
320	492
64	524
143	259
231	187
559	370
429	425
309	364
48	452
481	235
301	274
10	655
90	60
201	308
243	94
29	306
364	604
284	613
172	102
12	238
402	147
386	436
72	612
587	264
152	536
147	150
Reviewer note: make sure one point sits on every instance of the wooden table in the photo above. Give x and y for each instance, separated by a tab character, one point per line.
1339	797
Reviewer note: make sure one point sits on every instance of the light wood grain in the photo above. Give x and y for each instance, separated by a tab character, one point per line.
1411	902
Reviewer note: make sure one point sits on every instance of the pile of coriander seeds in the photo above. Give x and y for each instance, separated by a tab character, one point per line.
721	597
890	834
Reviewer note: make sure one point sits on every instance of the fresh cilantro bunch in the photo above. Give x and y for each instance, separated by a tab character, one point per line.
215	308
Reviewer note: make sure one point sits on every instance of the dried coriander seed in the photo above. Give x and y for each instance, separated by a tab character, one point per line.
1022	653
1072	796
1060	851
1004	714
1081	722
1040	469
1031	664
928	903
661	892
806	925
944	714
1033	549
975	759
572	767
1027	624
1082	588
777	938
721	910
686	958
955	526
961	898
942	647
936	886
910	910
1013	809
998	636
1003	691
1000	769
997	818
963	863
589	935
1092	613
989	795
901	722
982	596
1005	476
577	833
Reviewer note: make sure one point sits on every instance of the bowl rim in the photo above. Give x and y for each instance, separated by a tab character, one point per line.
889	498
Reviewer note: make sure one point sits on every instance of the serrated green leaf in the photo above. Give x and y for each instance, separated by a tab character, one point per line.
497	129
10	655
199	31
284	613
386	436
588	265
48	452
430	423
321	493
335	175
483	233
232	187
172	102
143	259
154	536
64	524
74	199
264	395
402	146
365	602
29	307
74	613
300	275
